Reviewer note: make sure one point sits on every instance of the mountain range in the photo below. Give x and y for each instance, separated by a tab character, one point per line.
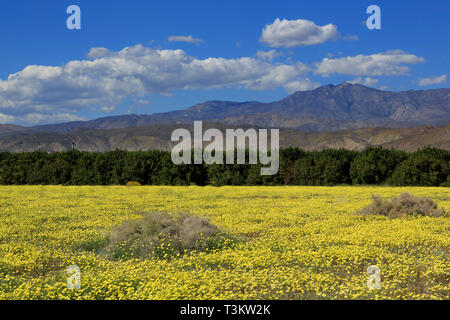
348	115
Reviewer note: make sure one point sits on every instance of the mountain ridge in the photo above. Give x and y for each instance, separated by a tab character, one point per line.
345	116
330	107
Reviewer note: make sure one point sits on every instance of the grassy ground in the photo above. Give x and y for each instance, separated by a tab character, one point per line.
295	243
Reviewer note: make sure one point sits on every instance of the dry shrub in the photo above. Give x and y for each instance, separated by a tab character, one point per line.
403	206
161	236
133	184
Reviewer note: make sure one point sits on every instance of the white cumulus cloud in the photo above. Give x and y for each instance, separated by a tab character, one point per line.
38	118
351	38
364	81
98	52
188	39
4	118
389	63
432	80
301	85
108	109
108	77
293	33
269	55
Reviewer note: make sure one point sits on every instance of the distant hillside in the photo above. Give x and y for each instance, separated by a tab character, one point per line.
347	106
326	117
158	137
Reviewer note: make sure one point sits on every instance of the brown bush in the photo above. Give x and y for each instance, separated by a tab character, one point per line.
162	236
133	184
403	206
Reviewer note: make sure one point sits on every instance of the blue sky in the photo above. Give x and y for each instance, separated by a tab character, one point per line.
221	50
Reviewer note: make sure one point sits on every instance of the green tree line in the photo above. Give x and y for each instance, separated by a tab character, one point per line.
374	166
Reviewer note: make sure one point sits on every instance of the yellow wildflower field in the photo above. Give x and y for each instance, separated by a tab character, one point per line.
296	243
